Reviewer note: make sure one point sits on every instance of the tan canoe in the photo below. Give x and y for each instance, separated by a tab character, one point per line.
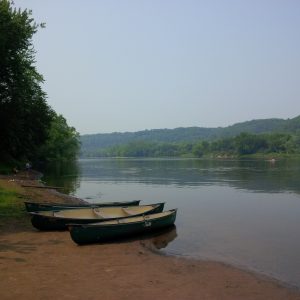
57	220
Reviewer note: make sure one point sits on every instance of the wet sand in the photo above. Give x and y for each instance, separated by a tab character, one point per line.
48	265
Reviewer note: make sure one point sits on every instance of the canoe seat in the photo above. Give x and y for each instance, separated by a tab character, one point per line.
121	221
129	212
102	215
58	214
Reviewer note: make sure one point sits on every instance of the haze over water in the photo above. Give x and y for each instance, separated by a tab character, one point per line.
239	212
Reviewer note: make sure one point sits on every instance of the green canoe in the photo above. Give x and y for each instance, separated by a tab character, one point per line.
57	220
110	230
34	207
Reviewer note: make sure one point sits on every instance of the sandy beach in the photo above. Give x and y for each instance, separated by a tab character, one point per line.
49	265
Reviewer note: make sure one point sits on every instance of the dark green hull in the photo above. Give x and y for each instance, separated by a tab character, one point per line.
42	222
34	207
86	234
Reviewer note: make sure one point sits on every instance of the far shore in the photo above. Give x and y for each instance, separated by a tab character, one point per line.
213	156
48	265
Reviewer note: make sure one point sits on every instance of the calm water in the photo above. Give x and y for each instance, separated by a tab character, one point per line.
245	213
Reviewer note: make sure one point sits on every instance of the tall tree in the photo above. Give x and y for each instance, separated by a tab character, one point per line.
62	143
25	116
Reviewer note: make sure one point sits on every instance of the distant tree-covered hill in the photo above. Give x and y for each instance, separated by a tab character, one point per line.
93	142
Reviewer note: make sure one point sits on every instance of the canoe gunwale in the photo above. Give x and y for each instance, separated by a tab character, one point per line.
53	216
46	206
42	221
83	234
94	225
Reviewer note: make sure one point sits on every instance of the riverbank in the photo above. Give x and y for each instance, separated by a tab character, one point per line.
48	265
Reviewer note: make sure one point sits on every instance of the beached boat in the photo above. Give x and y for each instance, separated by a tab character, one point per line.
44	206
57	220
110	230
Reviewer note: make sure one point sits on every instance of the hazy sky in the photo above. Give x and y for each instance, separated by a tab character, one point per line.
133	65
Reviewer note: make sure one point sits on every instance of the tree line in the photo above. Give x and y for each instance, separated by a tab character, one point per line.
242	144
29	128
92	142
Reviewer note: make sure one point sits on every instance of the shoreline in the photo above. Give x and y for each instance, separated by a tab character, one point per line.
33	262
256	273
211	156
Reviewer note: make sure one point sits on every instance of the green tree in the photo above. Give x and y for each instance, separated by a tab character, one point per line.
278	142
25	116
293	144
198	149
247	143
62	143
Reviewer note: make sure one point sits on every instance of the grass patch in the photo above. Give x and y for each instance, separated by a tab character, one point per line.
12	210
10	204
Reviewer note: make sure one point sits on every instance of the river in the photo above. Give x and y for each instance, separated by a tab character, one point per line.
241	212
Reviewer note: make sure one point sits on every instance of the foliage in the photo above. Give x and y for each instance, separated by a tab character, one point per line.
24	114
191	135
242	144
28	125
247	143
62	143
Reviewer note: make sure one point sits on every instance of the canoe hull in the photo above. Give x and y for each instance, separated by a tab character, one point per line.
47	223
85	234
35	207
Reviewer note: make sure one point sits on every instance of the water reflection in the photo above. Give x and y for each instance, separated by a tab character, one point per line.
164	238
160	239
253	175
65	175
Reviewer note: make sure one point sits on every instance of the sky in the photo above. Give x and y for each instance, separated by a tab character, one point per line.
130	65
